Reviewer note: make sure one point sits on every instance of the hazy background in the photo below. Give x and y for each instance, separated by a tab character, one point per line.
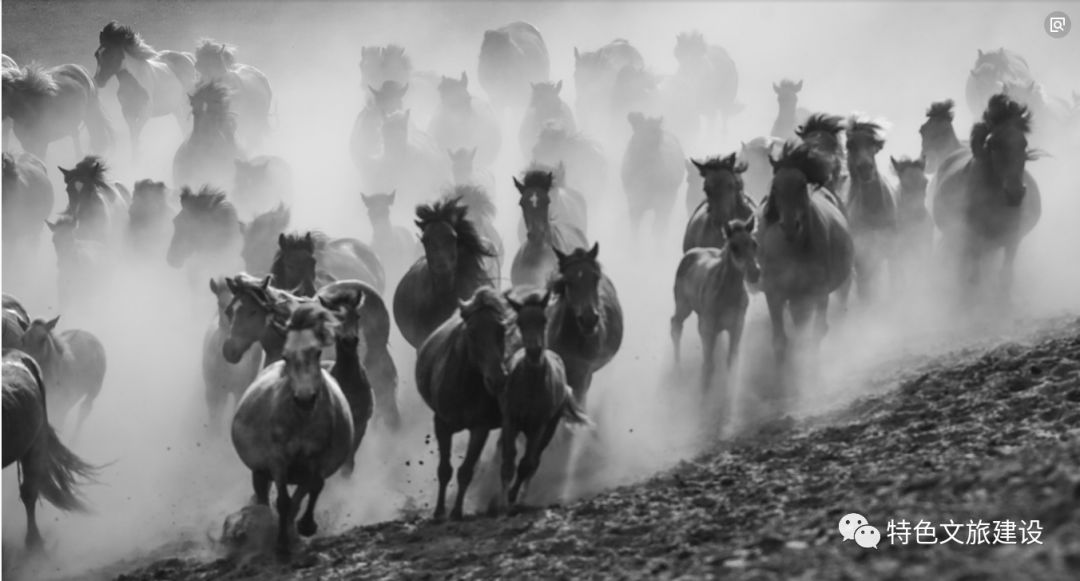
171	483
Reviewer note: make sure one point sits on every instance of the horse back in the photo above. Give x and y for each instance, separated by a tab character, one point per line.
87	351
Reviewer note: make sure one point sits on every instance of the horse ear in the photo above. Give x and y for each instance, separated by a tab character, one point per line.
635	119
798	86
281	240
51	225
728	231
895	164
520	186
594	251
980	53
365	198
751	223
213	286
307	238
465	79
558	254
266	282
577	55
472	153
558	87
51	324
776	88
231	284
700	166
65	172
393	196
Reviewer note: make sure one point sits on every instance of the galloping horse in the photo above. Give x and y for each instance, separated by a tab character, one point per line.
49	104
151	83
871	208
208	229
512	57
410	162
72	365
208	155
48	467
481	212
805	251
459	370
725	200
16	322
293	424
993	71
464	171
452	268
585	325
463	121
28	200
821	133
216	61
985	199
260	314
939	139
99	207
305	263
567	206
535	399
220	377
652	171
712	283
546	230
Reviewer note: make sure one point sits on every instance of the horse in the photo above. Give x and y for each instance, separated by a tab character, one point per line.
712	283
27	201
546	227
460	368
83	263
545	105
938	137
585	323
206	229
984	199
151	83
73	365
725	200
594	78
454	265
586	165
704	85
208	154
48	468
382	64
512	57
410	162
261	182
464	121
464	171
535	399
395	245
148	218
805	249
915	229
293	424
789	115
259	314
871	207
16	322
1053	113
99	206
366	140
652	171
260	239
48	104
821	132
216	61
756	153
374	329
567	206
221	378
305	263
481	212
994	70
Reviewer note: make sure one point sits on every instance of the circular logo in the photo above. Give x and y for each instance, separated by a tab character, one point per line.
1057	24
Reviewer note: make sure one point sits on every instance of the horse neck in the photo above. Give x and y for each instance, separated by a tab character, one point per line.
346	356
381	225
469	273
724	209
786	112
273	344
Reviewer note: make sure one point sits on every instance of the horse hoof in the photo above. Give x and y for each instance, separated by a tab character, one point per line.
307	527
455	515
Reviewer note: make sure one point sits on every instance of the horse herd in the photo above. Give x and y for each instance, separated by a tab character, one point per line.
300	337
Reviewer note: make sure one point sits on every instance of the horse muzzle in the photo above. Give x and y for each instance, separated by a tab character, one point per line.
232	351
753	273
304	403
589	323
1014	194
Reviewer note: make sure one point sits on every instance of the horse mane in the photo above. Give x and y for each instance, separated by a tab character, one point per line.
1002	109
452	211
210	49
539	176
209	200
941	110
33	80
729	163
873	129
118	35
908	162
801	157
485	298
788	85
475	197
311	316
821	123
65	221
92	169
396	51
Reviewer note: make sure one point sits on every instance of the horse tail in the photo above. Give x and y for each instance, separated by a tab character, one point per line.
571	411
63	472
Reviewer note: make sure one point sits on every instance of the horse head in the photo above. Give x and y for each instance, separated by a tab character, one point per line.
346	301
535	201
461	163
864	142
378	206
112	43
578	283
310	329
545	98
531	321
647	131
294	264
255	308
454	93
798	168
787	93
485	321
999	143
912	176
742	247
937	133
722	183
206	221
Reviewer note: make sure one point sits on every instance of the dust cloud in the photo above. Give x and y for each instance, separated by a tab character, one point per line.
171	483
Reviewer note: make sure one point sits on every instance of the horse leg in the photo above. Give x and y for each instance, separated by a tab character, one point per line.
709	332
682	311
445	439
534	446
508	439
33	471
735	331
307	526
477	438
384	388
285	514
776	315
260	481
1007	266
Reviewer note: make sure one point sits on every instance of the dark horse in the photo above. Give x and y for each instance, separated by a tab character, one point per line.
805	251
100	207
652	171
985	199
821	133
208	155
546	231
452	268
939	139
459	370
512	57
871	208
725	200
585	322
304	263
47	467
